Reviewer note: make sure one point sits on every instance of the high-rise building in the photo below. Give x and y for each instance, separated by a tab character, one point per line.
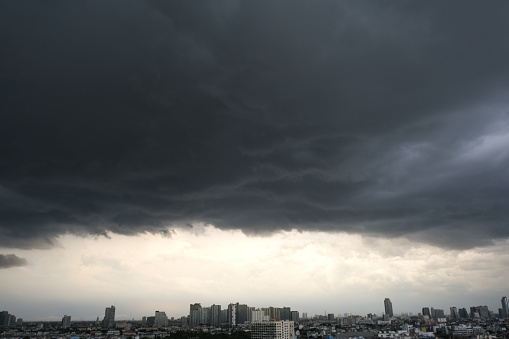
5	318
426	312
223	319
454	313
242	314
160	319
66	321
259	315
194	314
109	317
205	316
484	312
295	316
285	313
272	330
215	315
232	314
273	313
463	313
388	307
439	313
505	307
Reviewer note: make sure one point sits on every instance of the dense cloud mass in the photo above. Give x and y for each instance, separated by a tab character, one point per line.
11	260
385	119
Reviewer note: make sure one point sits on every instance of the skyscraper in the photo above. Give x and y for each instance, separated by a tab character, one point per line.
66	321
505	307
194	314
285	313
388	307
426	312
109	317
215	315
454	313
232	314
205	316
242	314
5	318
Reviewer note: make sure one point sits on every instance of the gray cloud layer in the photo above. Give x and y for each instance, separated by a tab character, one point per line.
11	260
372	118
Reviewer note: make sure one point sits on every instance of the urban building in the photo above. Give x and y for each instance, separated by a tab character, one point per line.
215	315
426	312
285	313
160	319
484	312
66	321
194	314
388	307
224	316
109	317
232	314
283	329
439	313
205	316
295	316
505	307
242	314
454	313
5	319
463	313
259	315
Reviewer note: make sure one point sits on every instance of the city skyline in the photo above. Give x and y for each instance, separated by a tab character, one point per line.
110	316
325	155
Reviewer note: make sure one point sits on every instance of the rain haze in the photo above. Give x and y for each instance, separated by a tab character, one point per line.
319	155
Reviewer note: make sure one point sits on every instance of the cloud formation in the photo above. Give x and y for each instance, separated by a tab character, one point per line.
11	260
366	118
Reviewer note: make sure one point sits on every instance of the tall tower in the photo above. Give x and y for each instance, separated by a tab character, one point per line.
109	317
66	321
215	315
194	314
232	314
505	307
388	307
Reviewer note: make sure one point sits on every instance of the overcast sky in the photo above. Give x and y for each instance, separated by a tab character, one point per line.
319	155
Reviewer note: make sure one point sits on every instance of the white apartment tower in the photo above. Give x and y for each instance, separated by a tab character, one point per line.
272	330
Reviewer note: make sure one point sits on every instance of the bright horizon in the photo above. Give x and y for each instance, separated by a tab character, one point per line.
310	272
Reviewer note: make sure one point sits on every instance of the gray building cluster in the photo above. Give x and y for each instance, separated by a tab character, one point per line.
237	314
7	319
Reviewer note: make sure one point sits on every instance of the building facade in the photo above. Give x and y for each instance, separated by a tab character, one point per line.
109	317
194	314
388	307
160	319
66	321
273	330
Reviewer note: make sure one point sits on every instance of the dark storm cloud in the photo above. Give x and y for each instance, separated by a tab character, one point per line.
375	118
11	260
